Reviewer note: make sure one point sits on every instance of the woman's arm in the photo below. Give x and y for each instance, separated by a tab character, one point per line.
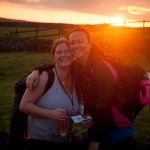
32	79
30	97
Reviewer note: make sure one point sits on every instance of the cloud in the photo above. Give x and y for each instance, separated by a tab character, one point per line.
135	10
32	1
136	13
129	8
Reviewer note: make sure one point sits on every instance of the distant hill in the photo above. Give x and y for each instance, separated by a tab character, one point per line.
15	22
10	20
23	23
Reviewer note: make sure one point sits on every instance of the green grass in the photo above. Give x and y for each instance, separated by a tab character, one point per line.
15	65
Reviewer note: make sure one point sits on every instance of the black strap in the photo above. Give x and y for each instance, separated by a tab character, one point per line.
49	69
50	79
69	96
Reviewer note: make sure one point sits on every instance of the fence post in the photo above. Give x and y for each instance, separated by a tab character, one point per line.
36	32
124	24
143	23
16	33
59	30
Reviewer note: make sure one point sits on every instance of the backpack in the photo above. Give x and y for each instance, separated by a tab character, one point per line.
127	91
18	121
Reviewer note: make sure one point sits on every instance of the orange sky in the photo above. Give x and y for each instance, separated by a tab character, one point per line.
64	11
18	11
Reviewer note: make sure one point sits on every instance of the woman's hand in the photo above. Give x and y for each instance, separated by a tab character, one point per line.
87	122
58	114
32	79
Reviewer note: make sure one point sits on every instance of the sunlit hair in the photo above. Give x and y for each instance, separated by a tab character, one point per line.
83	30
57	42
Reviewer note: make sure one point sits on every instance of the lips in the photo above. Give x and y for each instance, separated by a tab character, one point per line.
65	59
77	51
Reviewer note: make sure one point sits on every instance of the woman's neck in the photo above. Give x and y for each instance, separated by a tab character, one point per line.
83	61
65	78
63	72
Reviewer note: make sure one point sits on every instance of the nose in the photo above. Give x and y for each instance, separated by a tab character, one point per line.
76	44
65	53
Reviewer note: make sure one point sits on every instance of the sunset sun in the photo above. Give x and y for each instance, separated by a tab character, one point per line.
118	21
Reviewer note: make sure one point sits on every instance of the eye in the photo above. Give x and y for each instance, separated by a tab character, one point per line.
58	52
67	51
71	42
80	41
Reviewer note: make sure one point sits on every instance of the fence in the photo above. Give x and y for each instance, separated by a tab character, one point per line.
40	39
29	40
35	33
36	39
142	23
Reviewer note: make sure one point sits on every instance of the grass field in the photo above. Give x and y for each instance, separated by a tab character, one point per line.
15	65
22	32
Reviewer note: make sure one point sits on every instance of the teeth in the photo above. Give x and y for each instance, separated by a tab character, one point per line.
64	59
77	51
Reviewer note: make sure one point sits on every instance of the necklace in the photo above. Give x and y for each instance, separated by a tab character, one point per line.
63	82
70	93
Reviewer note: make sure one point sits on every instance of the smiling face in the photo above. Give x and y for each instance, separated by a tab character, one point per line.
79	45
63	55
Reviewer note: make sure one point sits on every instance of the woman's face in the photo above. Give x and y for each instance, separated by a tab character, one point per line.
79	44
63	55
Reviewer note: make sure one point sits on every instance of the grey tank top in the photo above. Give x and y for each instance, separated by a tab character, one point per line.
47	129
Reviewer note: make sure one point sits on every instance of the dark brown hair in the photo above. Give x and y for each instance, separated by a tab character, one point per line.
57	42
81	29
97	50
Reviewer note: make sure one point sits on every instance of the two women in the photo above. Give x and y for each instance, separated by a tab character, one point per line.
96	87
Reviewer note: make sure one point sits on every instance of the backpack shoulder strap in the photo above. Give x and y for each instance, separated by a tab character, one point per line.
50	79
111	68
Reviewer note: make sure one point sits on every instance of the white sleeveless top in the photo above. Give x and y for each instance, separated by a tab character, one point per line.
55	97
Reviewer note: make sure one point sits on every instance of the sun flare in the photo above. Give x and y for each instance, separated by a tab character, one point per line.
118	21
